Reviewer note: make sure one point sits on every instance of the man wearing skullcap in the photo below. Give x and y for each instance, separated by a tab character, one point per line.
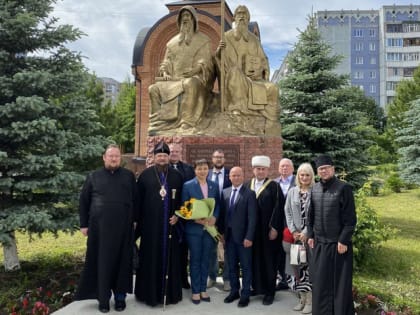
268	229
159	189
331	224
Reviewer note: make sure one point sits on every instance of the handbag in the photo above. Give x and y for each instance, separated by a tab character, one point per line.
297	254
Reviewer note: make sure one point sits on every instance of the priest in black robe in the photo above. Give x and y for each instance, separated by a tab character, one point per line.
268	229
107	202
331	224
159	188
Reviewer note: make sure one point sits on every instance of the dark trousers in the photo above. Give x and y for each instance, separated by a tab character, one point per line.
237	256
183	249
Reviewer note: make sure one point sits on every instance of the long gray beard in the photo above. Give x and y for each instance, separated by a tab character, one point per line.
241	31
186	35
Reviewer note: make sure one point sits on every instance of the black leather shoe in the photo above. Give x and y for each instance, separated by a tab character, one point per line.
243	302
231	297
103	308
120	305
282	286
268	299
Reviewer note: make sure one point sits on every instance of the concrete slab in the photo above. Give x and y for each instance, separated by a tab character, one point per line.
283	304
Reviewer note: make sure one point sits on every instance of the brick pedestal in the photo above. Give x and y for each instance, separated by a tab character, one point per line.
238	150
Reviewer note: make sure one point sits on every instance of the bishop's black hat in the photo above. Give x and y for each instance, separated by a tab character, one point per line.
323	160
161	147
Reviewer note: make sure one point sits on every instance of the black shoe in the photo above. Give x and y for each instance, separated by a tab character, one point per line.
231	297
120	305
196	302
282	286
243	302
205	299
103	308
268	299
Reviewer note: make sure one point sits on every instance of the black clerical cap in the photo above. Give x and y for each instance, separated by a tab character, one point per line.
161	147
323	160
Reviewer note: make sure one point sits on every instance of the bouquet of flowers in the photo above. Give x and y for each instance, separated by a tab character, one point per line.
199	209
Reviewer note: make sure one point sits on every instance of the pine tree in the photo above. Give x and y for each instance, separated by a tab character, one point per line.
406	92
49	130
408	139
318	109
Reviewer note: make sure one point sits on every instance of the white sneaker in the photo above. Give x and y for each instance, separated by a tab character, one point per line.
210	283
226	286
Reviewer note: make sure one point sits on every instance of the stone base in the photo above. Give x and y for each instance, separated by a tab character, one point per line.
239	150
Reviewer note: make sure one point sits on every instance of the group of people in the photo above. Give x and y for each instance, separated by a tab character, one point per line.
257	221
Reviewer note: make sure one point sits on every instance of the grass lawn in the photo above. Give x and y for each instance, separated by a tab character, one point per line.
55	263
396	275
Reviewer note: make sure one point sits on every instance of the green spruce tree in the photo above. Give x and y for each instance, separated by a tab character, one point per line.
408	139
48	130
318	110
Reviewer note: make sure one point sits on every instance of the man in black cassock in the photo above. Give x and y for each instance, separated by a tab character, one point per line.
107	201
331	224
268	229
159	189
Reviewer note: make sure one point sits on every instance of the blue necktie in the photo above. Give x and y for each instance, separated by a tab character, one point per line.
231	204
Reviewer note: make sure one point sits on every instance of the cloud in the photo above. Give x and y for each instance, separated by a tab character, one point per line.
112	26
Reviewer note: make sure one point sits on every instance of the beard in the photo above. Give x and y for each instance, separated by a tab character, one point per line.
186	33
241	30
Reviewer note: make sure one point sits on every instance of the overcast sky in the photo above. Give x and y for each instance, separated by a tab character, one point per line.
111	26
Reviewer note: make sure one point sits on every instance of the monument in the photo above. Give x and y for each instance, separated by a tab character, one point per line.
206	88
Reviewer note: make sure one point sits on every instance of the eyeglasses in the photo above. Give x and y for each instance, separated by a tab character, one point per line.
218	157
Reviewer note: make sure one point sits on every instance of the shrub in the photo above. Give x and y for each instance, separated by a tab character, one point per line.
369	233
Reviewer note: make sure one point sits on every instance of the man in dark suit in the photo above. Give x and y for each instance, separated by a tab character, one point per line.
187	172
220	175
286	181
239	218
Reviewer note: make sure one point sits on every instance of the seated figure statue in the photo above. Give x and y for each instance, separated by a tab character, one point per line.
247	89
180	96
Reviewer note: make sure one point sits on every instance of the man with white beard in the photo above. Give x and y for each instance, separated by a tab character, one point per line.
247	73
182	92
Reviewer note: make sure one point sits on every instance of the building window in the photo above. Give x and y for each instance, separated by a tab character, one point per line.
394	28
358	33
372	88
372	46
394	57
359	60
361	87
372	74
411	27
411	41
391	85
394	72
411	56
394	42
358	75
373	60
372	32
408	72
358	46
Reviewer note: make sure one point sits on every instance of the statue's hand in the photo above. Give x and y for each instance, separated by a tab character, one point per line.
167	77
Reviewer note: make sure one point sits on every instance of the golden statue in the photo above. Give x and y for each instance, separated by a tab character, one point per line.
182	92
248	93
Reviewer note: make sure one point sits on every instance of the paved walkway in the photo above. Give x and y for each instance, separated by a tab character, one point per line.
283	304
